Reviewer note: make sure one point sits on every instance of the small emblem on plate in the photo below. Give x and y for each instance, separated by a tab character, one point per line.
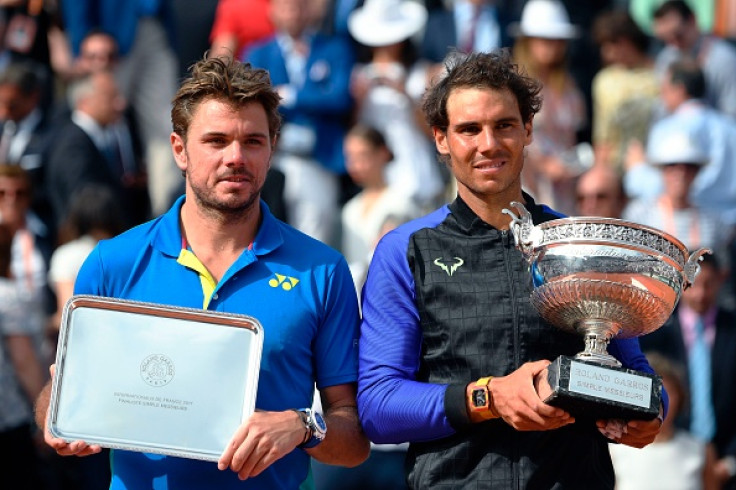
157	370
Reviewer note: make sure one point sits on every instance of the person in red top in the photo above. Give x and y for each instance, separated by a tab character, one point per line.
238	24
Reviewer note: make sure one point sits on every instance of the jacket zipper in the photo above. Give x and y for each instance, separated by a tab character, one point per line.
506	240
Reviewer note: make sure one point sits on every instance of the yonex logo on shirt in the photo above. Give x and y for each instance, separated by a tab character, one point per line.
287	283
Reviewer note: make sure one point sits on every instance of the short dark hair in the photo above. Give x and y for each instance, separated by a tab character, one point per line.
94	207
227	80
25	75
687	73
617	24
371	135
678	7
494	70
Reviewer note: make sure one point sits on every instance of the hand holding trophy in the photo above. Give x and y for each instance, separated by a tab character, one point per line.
602	278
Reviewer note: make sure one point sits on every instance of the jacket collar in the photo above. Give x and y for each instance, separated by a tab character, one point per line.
469	221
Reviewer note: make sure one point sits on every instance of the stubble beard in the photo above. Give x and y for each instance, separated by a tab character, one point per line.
225	211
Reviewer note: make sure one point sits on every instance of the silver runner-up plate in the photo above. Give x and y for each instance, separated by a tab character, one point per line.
153	378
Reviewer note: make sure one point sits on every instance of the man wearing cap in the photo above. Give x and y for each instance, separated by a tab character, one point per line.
679	158
450	344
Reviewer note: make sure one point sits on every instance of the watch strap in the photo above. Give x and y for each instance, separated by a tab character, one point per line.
305	421
479	391
314	435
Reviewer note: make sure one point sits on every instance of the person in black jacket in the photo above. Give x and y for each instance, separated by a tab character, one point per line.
95	146
446	302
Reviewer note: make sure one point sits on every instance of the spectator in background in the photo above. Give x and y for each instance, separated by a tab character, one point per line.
98	51
702	336
625	91
238	25
335	14
679	158
388	90
30	254
373	212
25	32
689	461
312	75
676	26
21	378
89	149
465	26
365	216
642	12
26	130
94	214
714	189
600	192
147	75
193	20
30	31
541	47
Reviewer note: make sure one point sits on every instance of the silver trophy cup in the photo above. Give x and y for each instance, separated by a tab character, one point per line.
603	278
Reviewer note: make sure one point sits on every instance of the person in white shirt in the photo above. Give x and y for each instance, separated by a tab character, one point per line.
378	207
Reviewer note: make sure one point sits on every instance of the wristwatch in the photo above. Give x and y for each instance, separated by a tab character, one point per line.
315	425
480	399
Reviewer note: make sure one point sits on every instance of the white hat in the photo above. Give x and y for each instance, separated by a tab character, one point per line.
386	22
670	147
547	19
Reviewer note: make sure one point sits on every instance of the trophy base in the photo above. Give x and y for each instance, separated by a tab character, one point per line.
589	390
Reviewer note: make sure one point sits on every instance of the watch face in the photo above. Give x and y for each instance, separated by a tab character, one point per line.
479	398
319	421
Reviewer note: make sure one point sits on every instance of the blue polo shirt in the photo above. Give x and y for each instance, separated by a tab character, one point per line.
299	289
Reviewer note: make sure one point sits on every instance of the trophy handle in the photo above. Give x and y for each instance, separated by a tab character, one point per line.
692	267
522	228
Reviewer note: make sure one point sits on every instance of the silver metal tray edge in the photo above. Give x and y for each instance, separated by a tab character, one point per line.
177	312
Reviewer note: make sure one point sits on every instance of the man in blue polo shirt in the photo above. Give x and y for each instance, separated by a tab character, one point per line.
219	248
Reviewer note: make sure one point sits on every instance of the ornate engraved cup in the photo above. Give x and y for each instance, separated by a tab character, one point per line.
603	278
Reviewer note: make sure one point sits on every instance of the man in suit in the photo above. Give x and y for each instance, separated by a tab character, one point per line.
713	419
88	147
311	73
26	130
147	73
469	25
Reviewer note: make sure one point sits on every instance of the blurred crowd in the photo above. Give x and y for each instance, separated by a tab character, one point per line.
637	123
